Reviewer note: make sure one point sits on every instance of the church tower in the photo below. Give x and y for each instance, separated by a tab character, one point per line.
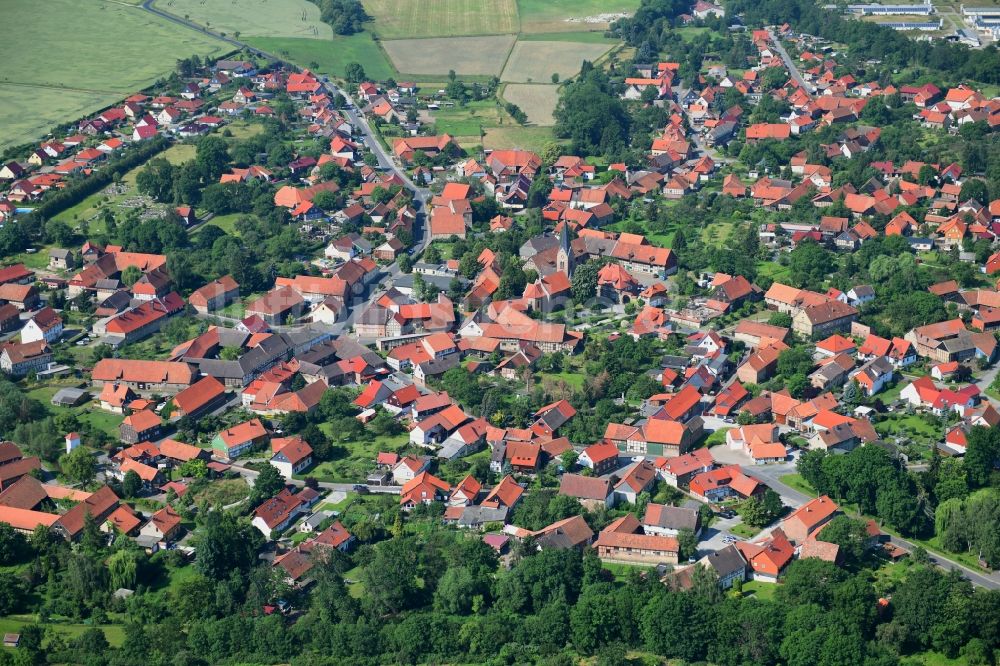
564	258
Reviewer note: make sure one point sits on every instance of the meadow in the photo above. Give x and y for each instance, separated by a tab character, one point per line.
400	19
569	15
537	100
517	137
466	55
91	51
537	61
331	55
260	18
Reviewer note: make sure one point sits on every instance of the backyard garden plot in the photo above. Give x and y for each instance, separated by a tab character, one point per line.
538	61
465	55
571	15
401	19
58	51
537	100
262	18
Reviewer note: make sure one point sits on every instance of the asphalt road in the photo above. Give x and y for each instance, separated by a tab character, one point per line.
789	64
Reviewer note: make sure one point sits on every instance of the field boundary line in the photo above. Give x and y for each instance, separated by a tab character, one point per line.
56	86
506	59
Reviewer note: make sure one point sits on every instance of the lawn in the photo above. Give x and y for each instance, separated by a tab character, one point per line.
331	56
359	459
570	15
760	590
532	61
465	55
253	18
470	120
717	233
43	60
742	530
225	222
115	633
798	483
773	270
88	412
574	379
223	492
622	571
538	101
523	138
354	587
400	19
910	425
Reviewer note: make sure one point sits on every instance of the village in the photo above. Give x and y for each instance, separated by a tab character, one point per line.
505	343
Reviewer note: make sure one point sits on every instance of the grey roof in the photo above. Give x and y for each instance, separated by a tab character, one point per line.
439	366
442	282
60	253
675	518
478	515
308	336
726	561
69	396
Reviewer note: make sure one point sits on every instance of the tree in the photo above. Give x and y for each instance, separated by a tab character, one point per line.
354	72
584	281
981	453
225	545
760	512
131	484
268	483
79	466
212	157
391	577
123	567
13	545
196	468
973	188
456	590
688	544
850	535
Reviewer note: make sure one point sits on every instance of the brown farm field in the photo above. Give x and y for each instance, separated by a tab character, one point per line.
537	100
402	19
466	55
536	62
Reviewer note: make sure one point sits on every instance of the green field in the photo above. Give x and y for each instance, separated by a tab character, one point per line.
30	112
253	18
515	136
569	15
578	37
397	19
532	61
332	56
536	100
115	633
470	120
465	55
80	57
